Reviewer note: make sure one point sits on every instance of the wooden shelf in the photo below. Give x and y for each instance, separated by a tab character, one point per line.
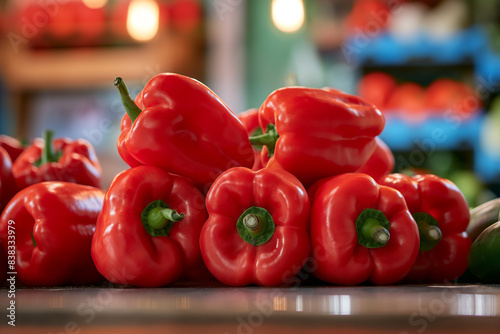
90	67
30	71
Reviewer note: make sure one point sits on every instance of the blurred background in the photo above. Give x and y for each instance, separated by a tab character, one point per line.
432	66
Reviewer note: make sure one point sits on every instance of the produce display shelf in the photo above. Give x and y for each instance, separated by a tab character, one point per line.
386	49
444	131
401	309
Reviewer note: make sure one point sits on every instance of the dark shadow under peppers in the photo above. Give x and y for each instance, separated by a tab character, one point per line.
61	159
361	231
178	124
317	133
148	231
442	214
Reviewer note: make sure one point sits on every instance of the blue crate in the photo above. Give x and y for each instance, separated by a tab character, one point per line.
435	133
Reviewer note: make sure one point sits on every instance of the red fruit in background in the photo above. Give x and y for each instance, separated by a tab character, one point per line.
61	25
370	16
28	20
376	87
90	24
408	100
185	14
437	95
445	94
118	19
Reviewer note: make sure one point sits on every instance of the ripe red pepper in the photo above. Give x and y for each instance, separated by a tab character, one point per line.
148	231
72	161
256	232
8	186
53	224
442	214
250	120
317	133
361	231
13	146
380	163
178	124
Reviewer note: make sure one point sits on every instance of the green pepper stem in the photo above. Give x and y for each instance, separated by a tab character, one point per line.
372	227
433	233
47	154
268	139
253	223
131	108
428	229
255	226
263	139
159	217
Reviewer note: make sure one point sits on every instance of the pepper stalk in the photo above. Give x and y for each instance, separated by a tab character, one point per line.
131	108
158	218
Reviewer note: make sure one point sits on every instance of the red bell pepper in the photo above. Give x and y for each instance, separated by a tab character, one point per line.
13	146
442	214
148	231
8	186
317	133
68	160
250	120
380	163
361	231
178	124
52	224
256	232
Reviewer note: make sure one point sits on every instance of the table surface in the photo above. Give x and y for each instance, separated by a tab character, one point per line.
401	309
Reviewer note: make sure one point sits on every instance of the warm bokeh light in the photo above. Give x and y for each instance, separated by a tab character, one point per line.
95	3
288	15
142	19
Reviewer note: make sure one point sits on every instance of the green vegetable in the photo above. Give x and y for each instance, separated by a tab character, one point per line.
484	255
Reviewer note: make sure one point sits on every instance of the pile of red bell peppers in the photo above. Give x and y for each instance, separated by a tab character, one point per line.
244	199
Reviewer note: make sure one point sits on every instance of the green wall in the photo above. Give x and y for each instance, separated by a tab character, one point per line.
268	52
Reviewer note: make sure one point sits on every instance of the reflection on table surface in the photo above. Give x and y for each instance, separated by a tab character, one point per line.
360	309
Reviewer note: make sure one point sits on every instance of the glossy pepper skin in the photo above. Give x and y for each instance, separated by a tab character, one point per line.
381	162
181	126
320	132
54	223
13	146
256	232
62	159
250	120
442	214
8	186
134	243
361	231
